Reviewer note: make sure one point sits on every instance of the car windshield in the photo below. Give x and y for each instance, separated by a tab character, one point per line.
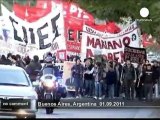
13	78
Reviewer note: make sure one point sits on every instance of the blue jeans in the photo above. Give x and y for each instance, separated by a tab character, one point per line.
78	85
98	89
89	86
110	90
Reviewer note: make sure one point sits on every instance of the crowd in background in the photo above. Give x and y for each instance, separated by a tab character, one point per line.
20	61
17	60
111	79
104	79
28	64
31	66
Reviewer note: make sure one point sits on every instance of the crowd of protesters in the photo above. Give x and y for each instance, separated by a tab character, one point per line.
112	79
16	60
26	63
105	79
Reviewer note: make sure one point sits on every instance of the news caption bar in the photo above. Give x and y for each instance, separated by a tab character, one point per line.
40	104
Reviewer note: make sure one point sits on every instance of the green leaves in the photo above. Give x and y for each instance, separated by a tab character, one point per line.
114	9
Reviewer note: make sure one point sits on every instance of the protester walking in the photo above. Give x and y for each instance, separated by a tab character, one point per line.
129	80
77	74
111	79
148	82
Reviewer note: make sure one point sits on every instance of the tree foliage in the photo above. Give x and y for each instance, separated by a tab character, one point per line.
113	10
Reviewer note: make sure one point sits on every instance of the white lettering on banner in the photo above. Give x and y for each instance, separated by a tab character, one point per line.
110	45
78	10
43	34
106	35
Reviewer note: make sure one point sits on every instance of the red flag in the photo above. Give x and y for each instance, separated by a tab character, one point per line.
146	41
45	4
32	14
111	27
19	10
101	28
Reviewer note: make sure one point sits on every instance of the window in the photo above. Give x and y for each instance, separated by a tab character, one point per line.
17	77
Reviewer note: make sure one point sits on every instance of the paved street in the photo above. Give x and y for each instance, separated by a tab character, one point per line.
128	112
99	113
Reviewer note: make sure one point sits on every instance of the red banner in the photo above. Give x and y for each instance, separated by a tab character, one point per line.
75	18
73	33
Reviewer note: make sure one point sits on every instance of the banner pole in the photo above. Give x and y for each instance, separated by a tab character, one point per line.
29	3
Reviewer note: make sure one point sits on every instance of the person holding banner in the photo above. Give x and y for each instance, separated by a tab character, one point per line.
128	79
77	73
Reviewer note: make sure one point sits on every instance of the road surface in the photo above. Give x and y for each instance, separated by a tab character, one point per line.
99	113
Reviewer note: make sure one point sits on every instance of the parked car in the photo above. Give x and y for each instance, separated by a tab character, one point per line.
17	95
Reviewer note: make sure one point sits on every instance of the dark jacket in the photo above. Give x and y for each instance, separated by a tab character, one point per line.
3	61
20	63
148	77
111	77
88	76
129	73
77	71
51	69
8	62
32	68
155	73
27	60
119	71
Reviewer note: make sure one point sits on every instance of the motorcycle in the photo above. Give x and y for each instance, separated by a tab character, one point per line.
50	89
